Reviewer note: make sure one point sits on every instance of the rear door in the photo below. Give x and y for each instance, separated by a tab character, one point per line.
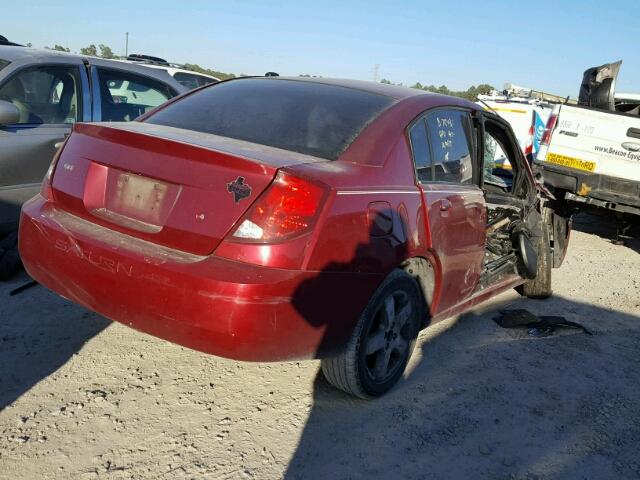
120	95
443	151
595	141
50	98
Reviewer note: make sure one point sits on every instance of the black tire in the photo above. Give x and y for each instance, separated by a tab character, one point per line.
10	262
540	286
382	341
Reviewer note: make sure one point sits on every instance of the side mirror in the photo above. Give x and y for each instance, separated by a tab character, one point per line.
9	113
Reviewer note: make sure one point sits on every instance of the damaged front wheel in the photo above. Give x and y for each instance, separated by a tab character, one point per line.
540	286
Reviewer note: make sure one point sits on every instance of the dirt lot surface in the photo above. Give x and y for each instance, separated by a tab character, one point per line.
85	398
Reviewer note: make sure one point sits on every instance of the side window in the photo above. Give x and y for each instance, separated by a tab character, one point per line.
500	163
191	80
186	79
421	153
125	96
45	94
202	80
451	145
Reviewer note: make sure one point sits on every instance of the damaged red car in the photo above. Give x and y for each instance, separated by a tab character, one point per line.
269	219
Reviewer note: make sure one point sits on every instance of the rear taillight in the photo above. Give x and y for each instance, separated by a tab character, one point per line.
548	129
287	209
45	189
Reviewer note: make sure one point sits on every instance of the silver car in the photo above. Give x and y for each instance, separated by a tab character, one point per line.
44	92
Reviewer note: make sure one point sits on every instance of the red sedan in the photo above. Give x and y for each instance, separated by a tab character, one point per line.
270	219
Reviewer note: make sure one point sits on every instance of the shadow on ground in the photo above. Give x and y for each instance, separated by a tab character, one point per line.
10	263
604	224
471	408
479	401
36	341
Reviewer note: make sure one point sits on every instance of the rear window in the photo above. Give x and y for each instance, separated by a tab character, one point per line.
305	117
3	63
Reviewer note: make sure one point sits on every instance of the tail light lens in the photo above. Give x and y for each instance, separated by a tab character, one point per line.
288	208
45	189
548	130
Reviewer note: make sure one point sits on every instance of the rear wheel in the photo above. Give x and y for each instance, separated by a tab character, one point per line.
382	342
540	286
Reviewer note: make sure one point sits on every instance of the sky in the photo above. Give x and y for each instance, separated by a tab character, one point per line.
543	44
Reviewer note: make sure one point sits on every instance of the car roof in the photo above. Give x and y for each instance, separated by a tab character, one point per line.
393	91
26	55
171	69
13	53
396	92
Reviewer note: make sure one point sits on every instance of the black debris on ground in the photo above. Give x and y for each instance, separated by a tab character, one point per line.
538	326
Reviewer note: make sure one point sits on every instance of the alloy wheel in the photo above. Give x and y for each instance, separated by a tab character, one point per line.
389	338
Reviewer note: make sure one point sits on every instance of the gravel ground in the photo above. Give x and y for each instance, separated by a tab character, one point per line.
82	397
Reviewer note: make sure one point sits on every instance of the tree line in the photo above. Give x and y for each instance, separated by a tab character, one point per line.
470	94
104	51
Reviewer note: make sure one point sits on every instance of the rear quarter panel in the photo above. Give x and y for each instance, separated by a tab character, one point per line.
346	239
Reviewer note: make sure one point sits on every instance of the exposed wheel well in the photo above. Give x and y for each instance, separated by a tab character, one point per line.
423	271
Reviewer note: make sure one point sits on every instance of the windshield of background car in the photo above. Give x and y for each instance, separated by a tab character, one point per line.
3	63
305	117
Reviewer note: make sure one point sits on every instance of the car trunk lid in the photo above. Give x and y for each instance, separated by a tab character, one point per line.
177	188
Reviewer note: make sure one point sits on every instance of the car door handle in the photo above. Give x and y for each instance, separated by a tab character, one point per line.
445	205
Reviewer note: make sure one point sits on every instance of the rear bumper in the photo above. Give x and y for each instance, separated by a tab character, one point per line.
592	188
214	305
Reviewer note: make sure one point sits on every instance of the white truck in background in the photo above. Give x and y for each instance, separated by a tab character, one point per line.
526	110
589	154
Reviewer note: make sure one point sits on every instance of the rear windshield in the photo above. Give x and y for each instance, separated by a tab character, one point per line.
3	63
305	117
